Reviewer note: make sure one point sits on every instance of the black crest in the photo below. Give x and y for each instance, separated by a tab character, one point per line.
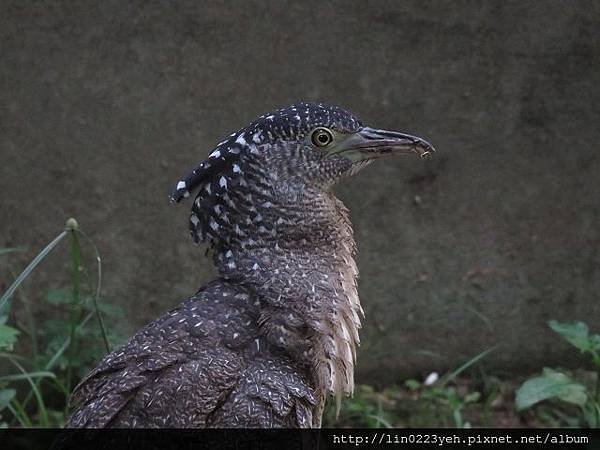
290	123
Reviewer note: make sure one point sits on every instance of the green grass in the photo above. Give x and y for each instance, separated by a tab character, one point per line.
46	356
415	404
555	398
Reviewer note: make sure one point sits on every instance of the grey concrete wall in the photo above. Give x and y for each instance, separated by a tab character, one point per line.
103	105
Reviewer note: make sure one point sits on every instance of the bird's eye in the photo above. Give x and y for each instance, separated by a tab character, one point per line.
322	137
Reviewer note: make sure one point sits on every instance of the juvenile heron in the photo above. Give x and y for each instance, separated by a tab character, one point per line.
265	343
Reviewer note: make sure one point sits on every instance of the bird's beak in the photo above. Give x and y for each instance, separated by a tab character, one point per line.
369	143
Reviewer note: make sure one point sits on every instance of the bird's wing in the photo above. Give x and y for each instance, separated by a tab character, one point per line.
271	393
182	360
201	364
180	393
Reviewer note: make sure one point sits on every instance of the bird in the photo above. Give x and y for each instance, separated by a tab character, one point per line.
267	342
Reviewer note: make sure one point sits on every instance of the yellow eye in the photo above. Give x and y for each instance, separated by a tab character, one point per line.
321	137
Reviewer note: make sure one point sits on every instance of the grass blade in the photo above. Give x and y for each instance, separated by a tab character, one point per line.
10	250
38	395
448	378
50	364
32	265
380	420
19	413
25	376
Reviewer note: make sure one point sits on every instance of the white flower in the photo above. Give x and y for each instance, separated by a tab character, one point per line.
431	378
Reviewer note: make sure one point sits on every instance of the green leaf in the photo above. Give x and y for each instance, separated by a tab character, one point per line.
6	395
453	398
595	340
111	310
472	397
59	297
591	414
551	384
5	310
576	333
8	337
412	384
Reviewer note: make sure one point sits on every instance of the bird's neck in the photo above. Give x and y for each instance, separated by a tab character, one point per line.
304	276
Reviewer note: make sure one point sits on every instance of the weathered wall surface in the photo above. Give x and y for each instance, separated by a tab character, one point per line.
103	107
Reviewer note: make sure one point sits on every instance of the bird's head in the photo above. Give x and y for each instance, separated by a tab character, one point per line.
279	157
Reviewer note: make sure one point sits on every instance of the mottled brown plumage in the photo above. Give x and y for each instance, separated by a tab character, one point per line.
264	344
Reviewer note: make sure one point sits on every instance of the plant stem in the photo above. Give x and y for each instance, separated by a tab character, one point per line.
597	390
75	303
97	293
31	328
